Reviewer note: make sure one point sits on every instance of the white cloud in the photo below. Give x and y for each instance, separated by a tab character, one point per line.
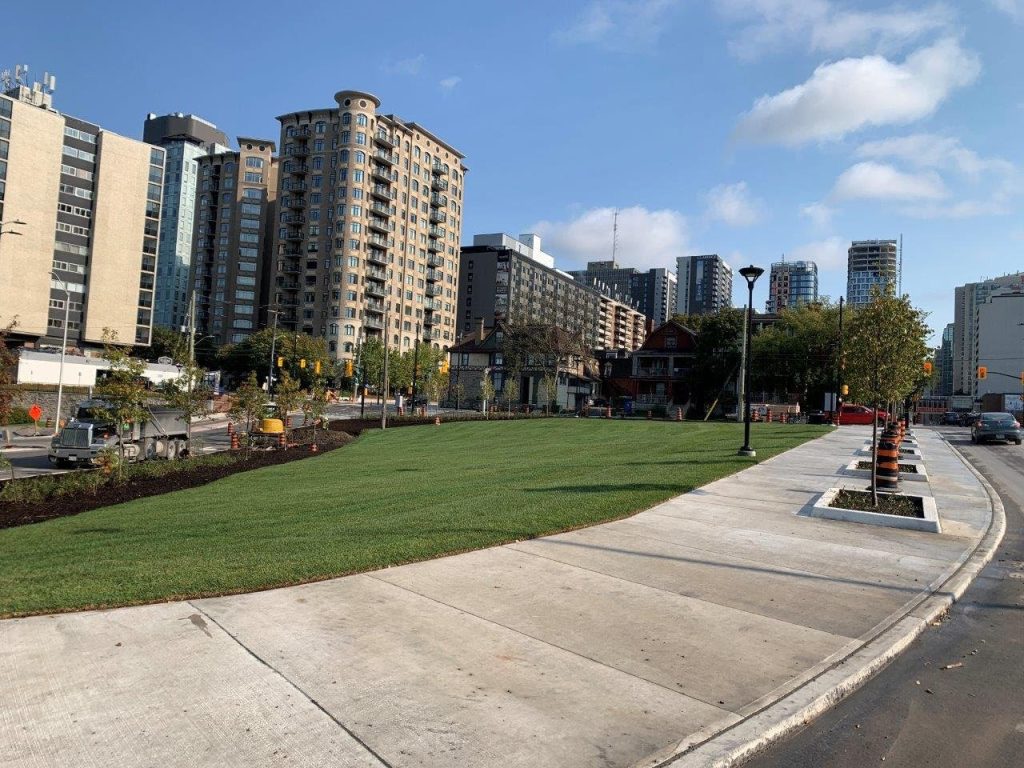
732	204
925	150
877	181
618	25
645	239
410	66
1014	8
819	213
850	94
449	83
768	26
829	254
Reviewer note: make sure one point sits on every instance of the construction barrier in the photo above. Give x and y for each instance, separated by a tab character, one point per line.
234	441
768	416
282	441
231	428
679	414
608	412
437	421
888	469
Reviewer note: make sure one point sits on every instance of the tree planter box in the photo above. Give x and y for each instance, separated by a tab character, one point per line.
920	474
906	453
930	521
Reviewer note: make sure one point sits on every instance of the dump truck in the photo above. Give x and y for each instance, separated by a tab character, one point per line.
162	434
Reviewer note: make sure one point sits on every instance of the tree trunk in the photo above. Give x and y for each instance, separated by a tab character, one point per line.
874	457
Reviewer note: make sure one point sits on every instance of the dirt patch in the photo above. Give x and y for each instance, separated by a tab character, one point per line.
888	503
176	476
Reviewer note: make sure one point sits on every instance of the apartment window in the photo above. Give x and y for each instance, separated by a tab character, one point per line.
346	137
254	162
346	118
353	261
318	180
318	145
356	227
360	137
252	177
361	119
360	156
318	163
74	133
357	177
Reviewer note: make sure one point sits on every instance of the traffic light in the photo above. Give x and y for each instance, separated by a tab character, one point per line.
348	369
845	390
928	367
280	362
982	372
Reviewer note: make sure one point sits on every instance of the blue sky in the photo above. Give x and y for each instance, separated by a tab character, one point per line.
748	128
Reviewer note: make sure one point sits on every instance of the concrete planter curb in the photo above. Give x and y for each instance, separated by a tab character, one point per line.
921	474
906	454
930	521
814	696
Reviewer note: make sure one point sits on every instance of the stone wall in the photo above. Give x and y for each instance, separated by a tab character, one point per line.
46	398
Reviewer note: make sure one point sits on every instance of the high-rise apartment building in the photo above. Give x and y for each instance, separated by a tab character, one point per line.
791	284
89	201
233	237
969	299
619	326
652	292
370	222
502	278
871	265
1000	342
704	284
944	362
185	138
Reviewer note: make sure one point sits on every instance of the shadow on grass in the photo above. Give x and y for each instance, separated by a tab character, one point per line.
80	531
681	488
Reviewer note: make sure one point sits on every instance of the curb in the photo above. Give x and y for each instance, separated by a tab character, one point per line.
733	745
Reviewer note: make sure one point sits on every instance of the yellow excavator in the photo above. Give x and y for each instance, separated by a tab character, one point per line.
270	431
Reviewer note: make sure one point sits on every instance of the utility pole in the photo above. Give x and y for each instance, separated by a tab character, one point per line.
273	349
415	363
384	401
192	328
839	367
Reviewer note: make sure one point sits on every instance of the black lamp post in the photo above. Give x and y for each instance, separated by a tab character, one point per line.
750	274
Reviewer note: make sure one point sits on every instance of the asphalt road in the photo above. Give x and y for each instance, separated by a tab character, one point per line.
914	713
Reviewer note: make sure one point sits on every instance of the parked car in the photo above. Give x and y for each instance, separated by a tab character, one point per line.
951	417
968	419
996	426
860	414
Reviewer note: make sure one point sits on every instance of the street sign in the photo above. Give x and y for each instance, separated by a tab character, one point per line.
35	412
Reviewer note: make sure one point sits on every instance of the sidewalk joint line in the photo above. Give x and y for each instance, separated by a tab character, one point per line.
550	644
294	685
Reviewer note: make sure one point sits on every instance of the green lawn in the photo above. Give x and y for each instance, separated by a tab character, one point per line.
393	497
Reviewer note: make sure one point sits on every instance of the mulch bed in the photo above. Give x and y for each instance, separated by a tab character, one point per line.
888	503
193	474
909	469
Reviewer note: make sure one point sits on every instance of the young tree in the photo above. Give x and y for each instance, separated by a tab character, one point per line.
511	389
8	378
315	406
288	397
885	352
248	404
188	393
124	390
486	393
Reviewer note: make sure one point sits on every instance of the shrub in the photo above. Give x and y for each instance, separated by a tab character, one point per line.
19	416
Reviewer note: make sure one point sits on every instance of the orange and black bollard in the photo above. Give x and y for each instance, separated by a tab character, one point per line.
888	469
282	442
437	421
231	428
234	441
679	414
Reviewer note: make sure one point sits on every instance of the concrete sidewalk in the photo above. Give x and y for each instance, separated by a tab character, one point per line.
617	645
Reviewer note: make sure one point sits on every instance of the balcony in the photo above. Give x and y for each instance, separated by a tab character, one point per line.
372	289
294	235
299	132
290	287
434	261
382	191
377	256
429	319
379	224
384	242
376	273
373	322
205	244
435	246
438	217
438	232
291	269
297	150
294	186
381	172
386	139
431	335
432	304
434	290
439	201
439	169
383	209
374	305
433	275
439	184
295	202
297	169
293	218
385	157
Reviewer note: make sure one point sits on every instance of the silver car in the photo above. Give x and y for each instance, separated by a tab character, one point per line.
995	426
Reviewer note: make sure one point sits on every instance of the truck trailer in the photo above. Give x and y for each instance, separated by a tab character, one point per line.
162	434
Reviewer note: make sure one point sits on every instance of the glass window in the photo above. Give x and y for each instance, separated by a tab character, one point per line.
361	120
254	162
253	178
360	137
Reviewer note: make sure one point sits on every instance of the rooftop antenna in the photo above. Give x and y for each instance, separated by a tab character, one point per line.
615	234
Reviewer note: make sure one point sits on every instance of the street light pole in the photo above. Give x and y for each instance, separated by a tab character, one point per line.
63	350
415	364
750	274
273	349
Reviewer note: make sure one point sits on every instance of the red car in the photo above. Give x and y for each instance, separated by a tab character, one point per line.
860	414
